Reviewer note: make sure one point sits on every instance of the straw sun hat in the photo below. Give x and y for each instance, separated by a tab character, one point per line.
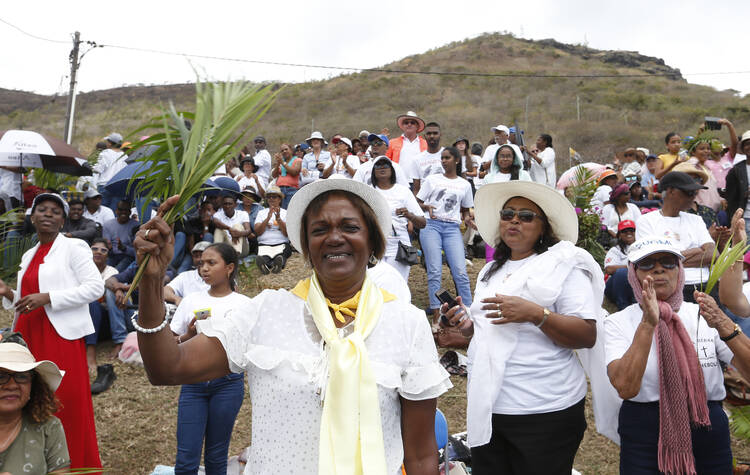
17	358
491	198
302	198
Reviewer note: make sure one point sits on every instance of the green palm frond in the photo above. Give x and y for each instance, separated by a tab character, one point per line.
12	248
184	158
721	262
739	421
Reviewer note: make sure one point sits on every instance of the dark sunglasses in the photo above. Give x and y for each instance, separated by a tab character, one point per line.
408	121
667	262
381	164
20	378
524	215
377	143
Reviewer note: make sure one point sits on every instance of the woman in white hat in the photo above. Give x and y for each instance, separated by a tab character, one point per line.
32	439
314	161
663	357
343	377
534	304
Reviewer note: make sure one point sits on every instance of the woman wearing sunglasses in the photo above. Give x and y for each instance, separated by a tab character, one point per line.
664	360
534	304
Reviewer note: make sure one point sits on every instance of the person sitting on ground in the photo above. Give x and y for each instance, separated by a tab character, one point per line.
201	227
94	211
344	163
33	438
619	209
76	226
617	289
313	162
189	281
607	183
98	308
248	177
270	225
119	234
687	231
233	225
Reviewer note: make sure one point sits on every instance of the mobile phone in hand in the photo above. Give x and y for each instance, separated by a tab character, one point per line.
712	123
445	297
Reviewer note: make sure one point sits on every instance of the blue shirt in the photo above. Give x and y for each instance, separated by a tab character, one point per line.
309	162
113	231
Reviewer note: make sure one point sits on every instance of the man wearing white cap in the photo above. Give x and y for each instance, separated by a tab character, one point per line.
404	148
345	163
93	209
111	160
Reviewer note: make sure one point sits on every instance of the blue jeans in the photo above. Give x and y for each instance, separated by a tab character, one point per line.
445	236
618	289
119	319
207	410
288	191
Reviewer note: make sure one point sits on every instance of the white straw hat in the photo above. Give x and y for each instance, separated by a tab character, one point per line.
410	115
302	198
491	198
17	358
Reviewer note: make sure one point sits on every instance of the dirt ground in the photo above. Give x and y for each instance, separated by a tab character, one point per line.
136	422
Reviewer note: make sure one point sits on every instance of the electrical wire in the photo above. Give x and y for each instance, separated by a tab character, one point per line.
384	70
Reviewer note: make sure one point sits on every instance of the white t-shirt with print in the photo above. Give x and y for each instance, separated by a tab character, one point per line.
238	217
620	329
188	282
399	196
272	235
687	231
202	301
447	196
615	257
429	163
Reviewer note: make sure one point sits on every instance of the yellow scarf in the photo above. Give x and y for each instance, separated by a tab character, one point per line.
351	433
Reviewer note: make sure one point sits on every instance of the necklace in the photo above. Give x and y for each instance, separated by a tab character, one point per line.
12	435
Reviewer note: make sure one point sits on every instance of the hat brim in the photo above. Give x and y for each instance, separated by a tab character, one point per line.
251	194
302	199
47	370
491	198
400	119
639	257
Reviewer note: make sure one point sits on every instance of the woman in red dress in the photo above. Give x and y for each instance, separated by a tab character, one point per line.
58	279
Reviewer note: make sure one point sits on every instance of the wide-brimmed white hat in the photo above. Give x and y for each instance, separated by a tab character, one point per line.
343	139
302	198
315	135
410	115
491	198
17	358
648	245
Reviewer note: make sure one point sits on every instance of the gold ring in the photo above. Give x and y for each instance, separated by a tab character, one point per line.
498	307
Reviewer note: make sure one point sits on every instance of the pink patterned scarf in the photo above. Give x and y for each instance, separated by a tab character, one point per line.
680	375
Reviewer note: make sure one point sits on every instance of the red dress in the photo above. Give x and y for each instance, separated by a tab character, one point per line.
77	411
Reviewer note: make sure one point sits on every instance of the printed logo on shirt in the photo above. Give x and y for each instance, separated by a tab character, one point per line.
202	314
706	352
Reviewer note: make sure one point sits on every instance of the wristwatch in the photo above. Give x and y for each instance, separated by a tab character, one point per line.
737	331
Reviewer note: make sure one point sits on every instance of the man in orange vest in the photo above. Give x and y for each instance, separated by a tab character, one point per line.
404	149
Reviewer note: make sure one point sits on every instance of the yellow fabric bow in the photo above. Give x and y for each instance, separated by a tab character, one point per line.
351	433
346	307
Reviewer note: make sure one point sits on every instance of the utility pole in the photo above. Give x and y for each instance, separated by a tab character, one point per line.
578	107
74	63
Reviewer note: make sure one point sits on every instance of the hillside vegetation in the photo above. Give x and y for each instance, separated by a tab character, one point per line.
615	112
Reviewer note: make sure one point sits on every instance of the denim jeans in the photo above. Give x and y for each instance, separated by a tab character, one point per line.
288	191
445	236
207	410
119	319
618	289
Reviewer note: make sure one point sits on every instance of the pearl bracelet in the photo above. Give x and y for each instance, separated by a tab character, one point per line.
139	328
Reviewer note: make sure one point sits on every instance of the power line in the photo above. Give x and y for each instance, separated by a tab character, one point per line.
382	70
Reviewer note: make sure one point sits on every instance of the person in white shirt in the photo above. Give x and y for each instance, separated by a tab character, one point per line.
314	161
270	226
687	231
249	177
93	208
619	209
262	159
233	225
507	165
543	161
378	147
535	303
428	162
188	281
446	199
501	137
111	160
404	208
607	182
344	163
664	358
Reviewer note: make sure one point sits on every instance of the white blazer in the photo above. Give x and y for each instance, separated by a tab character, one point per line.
72	280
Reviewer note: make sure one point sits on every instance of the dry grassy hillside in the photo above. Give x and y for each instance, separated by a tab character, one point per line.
615	112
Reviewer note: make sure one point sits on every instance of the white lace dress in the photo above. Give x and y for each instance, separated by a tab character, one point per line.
276	342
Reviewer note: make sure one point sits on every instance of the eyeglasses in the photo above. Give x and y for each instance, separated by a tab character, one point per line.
20	378
667	262
377	143
381	164
409	121
101	250
524	215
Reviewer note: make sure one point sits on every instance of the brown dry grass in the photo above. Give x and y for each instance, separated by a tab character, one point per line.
136	422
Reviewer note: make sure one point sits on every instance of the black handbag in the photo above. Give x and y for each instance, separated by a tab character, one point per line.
407	254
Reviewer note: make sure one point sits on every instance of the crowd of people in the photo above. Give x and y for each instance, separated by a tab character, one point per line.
342	369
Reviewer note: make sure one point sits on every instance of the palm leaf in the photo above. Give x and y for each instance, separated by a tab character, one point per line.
739	421
13	248
186	158
721	262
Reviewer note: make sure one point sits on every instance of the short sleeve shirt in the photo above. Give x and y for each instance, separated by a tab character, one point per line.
447	196
38	448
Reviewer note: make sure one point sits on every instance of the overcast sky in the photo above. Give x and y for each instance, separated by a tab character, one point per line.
694	36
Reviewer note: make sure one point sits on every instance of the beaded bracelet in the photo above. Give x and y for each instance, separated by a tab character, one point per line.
139	328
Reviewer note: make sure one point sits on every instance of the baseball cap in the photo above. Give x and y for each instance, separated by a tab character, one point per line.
114	137
501	128
626	224
651	156
343	139
53	197
200	246
681	181
646	246
91	193
383	137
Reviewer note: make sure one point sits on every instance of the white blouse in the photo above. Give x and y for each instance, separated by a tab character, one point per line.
275	340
